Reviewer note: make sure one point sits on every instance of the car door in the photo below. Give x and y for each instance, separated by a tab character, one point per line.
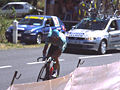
114	34
118	24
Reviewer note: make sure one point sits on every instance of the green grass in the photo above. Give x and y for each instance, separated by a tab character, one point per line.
6	46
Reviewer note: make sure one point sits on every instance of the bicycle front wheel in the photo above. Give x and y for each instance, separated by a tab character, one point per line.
41	74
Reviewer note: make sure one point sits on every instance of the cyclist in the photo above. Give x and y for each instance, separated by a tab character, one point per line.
58	43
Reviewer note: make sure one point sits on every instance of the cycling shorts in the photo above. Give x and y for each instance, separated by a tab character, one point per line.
53	49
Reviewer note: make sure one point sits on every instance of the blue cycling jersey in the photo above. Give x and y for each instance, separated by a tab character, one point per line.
61	42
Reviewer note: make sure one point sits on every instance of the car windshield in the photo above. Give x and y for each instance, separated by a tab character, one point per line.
92	24
38	22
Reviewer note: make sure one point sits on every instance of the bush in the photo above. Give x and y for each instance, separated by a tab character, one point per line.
4	24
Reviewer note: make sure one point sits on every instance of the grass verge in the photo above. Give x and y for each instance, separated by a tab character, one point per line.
6	46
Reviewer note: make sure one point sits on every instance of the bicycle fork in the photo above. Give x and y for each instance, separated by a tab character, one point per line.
50	70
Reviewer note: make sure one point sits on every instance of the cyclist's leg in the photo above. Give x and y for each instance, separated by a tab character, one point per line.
49	54
56	54
57	67
50	51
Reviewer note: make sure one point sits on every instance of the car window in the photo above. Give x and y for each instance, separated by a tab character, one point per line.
11	6
92	24
50	22
7	7
37	22
18	6
114	25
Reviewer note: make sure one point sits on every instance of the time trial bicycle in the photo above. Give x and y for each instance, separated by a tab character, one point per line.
48	69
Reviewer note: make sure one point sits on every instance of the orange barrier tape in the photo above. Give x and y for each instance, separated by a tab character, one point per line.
106	77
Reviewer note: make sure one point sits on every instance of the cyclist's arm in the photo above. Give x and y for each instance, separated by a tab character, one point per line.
63	46
63	42
46	46
45	49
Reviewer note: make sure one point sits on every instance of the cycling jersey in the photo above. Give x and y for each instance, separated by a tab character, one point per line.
61	42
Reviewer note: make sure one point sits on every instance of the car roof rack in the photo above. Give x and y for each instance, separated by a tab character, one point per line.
115	13
106	16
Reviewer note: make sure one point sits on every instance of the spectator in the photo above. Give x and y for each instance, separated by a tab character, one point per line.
69	10
52	3
75	13
48	6
62	8
82	10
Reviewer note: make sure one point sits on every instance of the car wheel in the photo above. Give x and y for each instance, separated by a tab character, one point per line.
9	40
102	48
39	39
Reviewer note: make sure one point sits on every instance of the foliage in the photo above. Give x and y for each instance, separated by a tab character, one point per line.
13	12
32	2
4	24
6	46
40	4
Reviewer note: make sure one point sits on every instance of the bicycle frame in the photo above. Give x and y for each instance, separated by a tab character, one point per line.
49	71
46	67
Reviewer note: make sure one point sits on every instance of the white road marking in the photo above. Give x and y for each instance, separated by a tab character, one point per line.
1	67
61	60
95	56
8	66
36	62
42	62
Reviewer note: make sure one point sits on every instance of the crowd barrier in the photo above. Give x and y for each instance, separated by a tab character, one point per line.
104	77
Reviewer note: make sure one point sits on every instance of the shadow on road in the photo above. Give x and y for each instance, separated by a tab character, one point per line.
113	51
89	52
82	52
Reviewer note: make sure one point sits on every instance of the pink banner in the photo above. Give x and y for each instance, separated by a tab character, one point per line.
106	77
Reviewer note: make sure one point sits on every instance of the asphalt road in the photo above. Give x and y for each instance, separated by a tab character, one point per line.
24	61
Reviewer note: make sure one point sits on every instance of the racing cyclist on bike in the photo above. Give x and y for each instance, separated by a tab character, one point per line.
58	43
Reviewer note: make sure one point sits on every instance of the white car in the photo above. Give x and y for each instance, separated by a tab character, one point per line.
95	34
21	8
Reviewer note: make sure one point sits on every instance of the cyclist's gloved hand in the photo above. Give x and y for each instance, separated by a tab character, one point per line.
44	57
